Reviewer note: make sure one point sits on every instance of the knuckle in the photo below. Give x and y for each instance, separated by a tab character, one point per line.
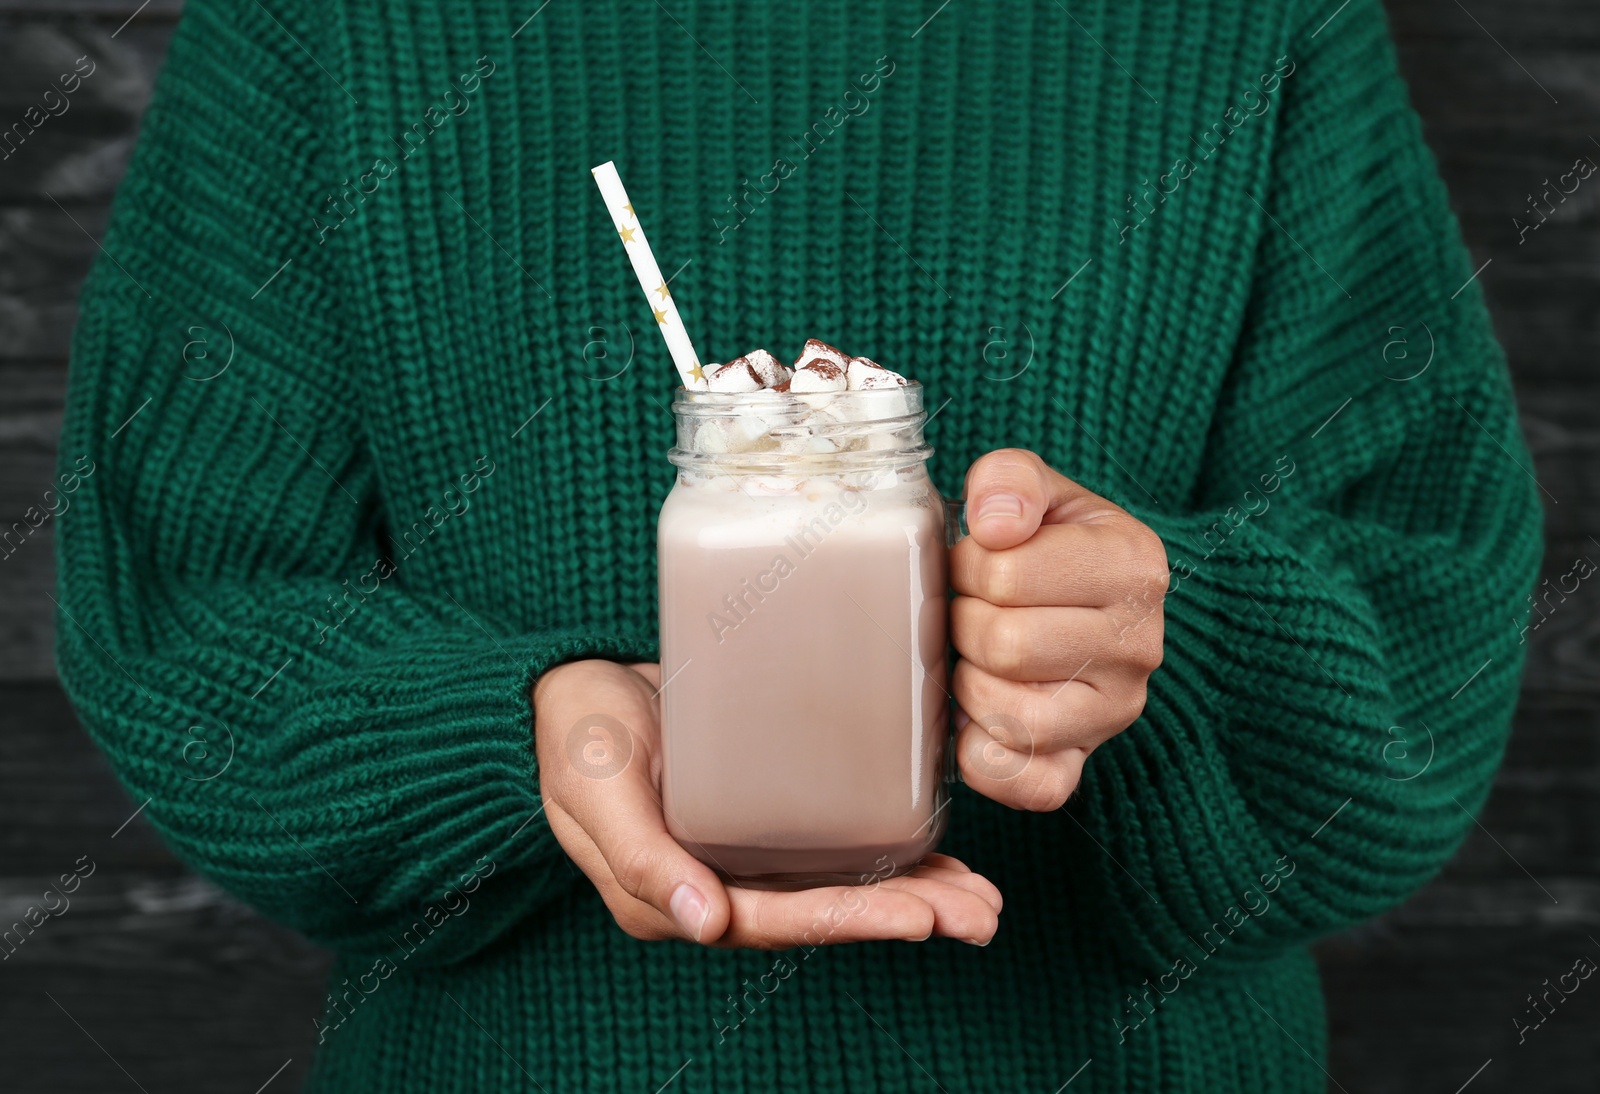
637	926
1132	704
967	565
1013	734
631	924
632	869
1003	578
759	924
971	620
1154	650
1018	459
1006	644
1062	714
994	751
1151	566
1154	578
965	686
1142	643
1048	720
1049	791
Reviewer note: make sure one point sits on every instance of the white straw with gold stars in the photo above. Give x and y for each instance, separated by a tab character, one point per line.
650	279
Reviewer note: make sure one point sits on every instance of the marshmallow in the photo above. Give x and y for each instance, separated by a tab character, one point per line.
862	374
818	374
767	367
710	438
816	348
734	377
817	421
750	433
740	433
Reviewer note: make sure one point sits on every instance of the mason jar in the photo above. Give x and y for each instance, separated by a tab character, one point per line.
803	614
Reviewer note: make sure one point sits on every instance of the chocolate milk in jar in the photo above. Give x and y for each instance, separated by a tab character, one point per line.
803	615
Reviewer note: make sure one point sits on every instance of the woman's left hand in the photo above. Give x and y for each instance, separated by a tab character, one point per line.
1059	625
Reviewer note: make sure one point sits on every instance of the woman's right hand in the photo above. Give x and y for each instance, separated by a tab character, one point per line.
597	729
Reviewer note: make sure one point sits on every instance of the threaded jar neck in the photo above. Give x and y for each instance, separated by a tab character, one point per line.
799	435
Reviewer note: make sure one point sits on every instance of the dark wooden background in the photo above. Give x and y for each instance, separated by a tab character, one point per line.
189	991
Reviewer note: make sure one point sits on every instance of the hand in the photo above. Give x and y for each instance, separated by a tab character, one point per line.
607	817
1059	625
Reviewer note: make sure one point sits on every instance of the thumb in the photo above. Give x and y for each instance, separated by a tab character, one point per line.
653	868
600	772
1008	494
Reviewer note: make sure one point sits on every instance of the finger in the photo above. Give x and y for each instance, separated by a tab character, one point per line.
774	920
637	918
913	907
1007	496
1101	565
958	911
623	816
962	878
1022	779
946	862
602	779
650	670
1010	492
1046	717
1030	644
766	920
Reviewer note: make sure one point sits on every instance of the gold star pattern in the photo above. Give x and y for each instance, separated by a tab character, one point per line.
627	235
697	372
661	316
631	213
662	289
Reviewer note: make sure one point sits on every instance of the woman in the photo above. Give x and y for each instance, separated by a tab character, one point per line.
1189	282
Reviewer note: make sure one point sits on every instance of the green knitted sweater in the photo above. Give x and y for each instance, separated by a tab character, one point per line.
360	477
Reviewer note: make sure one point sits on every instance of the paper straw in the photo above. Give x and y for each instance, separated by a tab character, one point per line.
650	279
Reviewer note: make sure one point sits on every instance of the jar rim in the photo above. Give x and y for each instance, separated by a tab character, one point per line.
907	398
880	427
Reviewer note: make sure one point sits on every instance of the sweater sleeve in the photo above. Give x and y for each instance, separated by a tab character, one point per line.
353	783
1348	584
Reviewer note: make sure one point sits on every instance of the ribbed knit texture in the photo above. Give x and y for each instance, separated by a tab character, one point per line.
1238	333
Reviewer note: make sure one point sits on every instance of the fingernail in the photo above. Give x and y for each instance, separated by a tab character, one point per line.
975	942
999	505
690	910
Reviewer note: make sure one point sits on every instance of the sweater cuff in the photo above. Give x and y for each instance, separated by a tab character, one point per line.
397	781
1264	723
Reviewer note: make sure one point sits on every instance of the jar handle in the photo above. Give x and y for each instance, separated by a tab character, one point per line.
955	529
955	520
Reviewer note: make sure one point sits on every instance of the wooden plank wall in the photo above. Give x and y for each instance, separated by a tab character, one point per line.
190	991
